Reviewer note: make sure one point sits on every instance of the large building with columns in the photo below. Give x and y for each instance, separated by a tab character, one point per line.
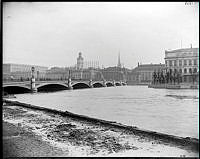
184	61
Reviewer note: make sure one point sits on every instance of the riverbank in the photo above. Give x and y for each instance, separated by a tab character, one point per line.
18	142
35	133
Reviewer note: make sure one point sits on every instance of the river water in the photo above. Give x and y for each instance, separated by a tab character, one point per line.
168	111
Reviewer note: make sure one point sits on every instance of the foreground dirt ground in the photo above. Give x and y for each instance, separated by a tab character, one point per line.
30	133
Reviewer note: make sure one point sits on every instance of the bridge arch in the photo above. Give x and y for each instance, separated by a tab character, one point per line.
51	87
97	84
80	85
123	84
109	84
13	89
117	83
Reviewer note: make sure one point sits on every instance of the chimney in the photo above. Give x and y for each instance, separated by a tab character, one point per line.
138	64
191	46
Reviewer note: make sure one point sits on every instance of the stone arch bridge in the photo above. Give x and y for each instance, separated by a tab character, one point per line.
48	86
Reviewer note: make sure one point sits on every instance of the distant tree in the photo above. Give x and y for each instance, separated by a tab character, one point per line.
166	77
154	77
170	77
178	77
159	77
174	77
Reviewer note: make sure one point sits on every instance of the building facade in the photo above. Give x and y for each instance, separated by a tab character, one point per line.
114	73
86	74
57	73
185	62
143	73
91	64
22	72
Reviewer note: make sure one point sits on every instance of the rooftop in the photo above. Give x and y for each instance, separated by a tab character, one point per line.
183	50
151	65
148	67
23	65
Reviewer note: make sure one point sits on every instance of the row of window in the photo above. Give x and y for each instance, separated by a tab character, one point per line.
181	62
26	69
143	77
185	70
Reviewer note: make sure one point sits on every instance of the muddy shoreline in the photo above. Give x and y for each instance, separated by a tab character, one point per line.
18	142
68	134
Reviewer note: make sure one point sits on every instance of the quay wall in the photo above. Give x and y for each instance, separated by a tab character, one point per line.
192	143
174	86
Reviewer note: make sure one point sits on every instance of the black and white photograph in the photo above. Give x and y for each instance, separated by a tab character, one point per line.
100	79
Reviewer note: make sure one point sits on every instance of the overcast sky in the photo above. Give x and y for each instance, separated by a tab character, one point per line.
53	33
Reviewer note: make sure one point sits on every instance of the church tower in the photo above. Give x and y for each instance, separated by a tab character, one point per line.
119	63
80	61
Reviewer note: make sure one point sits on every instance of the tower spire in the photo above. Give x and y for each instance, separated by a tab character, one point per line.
119	63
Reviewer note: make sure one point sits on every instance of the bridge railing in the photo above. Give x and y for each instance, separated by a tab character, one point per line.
50	81
15	82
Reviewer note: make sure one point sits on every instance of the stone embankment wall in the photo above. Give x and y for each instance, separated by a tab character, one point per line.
174	86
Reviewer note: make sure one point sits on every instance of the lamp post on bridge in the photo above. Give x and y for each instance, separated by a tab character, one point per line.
69	81
104	83
90	83
33	88
114	84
